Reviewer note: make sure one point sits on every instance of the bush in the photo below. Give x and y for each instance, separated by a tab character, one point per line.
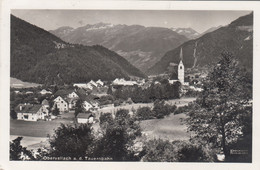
161	109
158	150
144	113
118	102
195	153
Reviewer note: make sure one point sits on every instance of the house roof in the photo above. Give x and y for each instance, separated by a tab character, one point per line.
28	108
63	93
45	102
85	115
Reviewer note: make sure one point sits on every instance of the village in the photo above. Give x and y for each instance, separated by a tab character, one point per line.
38	111
95	97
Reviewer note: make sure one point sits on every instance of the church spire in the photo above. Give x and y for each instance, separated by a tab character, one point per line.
181	55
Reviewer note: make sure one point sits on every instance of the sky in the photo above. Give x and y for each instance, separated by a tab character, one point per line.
198	20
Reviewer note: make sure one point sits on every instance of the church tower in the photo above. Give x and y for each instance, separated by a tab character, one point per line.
181	69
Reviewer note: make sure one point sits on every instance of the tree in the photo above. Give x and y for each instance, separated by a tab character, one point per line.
192	153
158	150
218	116
18	152
118	136
109	90
72	141
13	114
161	109
56	111
144	113
105	120
78	107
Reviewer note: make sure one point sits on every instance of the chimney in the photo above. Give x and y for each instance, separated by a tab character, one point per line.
21	107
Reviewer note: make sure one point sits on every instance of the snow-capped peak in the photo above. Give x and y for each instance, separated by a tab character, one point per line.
99	26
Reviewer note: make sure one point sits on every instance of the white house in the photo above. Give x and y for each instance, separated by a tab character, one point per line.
72	102
29	92
61	104
123	82
85	118
87	105
43	92
100	83
93	83
80	85
29	112
73	95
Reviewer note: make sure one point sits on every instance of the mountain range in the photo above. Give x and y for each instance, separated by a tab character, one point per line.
187	32
141	46
40	57
237	38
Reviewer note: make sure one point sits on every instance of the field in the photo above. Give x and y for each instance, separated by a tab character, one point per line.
170	128
16	83
35	129
35	133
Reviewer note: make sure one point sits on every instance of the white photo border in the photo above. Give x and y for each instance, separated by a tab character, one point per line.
8	5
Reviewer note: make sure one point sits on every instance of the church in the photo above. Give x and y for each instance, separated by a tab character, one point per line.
180	70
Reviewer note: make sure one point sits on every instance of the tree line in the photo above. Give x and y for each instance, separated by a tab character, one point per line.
160	91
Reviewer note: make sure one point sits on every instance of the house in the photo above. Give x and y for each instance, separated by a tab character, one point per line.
89	86
29	92
85	117
73	95
17	92
87	105
80	85
72	102
45	103
30	112
64	93
123	82
93	83
100	83
44	92
61	104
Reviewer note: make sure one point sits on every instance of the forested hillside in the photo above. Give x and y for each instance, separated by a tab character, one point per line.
236	38
40	57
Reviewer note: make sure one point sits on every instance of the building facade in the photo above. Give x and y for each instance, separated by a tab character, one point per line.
61	104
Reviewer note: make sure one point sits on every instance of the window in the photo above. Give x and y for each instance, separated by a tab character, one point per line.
61	101
180	67
25	116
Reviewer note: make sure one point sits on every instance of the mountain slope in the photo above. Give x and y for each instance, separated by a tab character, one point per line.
237	38
141	46
210	30
40	57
